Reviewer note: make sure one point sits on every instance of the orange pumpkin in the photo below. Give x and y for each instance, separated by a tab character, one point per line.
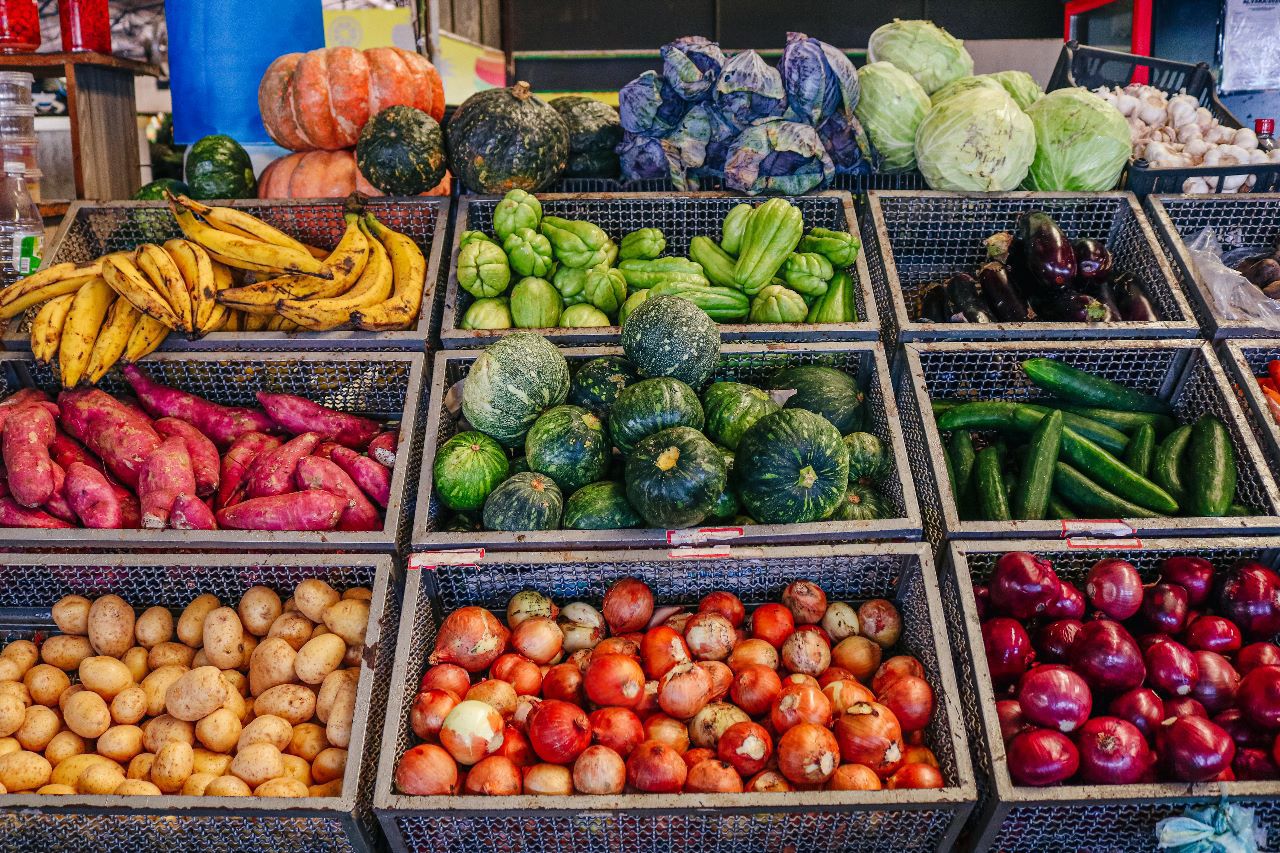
321	174
321	99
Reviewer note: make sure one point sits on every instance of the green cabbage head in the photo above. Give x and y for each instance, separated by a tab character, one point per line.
1020	85
1082	142
976	141
891	108
922	49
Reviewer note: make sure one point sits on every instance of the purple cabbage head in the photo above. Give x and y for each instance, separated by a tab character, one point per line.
691	65
642	158
819	79
777	156
848	145
749	89
649	106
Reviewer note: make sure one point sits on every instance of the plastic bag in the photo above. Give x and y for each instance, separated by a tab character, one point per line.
1234	297
1223	828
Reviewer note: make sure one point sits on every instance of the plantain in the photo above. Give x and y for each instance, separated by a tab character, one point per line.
46	327
217	319
57	280
322	315
80	330
248	252
148	333
409	274
257	322
112	339
164	274
234	321
127	280
241	223
197	272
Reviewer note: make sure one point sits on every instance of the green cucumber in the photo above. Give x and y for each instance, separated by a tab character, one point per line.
963	456
1107	437
1114	474
993	500
1057	509
1140	450
940	406
1127	422
1031	497
1240	510
1166	464
1083	388
995	414
1088	497
1210	473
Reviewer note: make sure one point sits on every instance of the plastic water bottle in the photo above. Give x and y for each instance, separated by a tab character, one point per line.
21	228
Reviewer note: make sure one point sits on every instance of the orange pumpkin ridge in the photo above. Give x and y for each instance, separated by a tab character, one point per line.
311	100
348	76
390	79
321	174
274	102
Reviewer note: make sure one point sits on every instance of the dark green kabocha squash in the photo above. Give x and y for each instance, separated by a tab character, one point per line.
675	477
600	506
824	391
594	132
503	139
597	384
791	468
525	501
670	336
401	151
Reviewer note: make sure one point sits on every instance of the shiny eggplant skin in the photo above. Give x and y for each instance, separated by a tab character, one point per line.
1132	299
1048	254
962	289
1082	308
1106	295
933	305
1093	263
1000	293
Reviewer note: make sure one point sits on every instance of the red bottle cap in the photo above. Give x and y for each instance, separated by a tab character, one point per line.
1264	126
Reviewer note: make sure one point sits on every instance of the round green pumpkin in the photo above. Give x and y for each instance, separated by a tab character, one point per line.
597	384
824	391
156	189
512	382
466	469
731	409
502	139
525	501
726	505
595	130
218	167
569	445
600	506
650	406
401	151
868	459
860	503
670	336
675	477
791	468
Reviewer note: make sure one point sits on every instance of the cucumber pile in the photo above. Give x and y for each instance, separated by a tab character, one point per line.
537	271
1095	450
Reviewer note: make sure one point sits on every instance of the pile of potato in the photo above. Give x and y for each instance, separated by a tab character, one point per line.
253	699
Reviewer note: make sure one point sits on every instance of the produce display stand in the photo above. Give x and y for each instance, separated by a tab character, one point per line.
804	822
1249	220
384	385
31	584
680	217
1019	819
742	362
857	184
1184	373
93	229
917	238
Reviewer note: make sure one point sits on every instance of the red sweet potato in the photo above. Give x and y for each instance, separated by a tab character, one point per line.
191	513
316	473
204	456
325	449
13	515
222	424
57	505
236	462
92	498
383	448
166	473
297	415
28	432
25	397
373	479
313	509
119	436
272	473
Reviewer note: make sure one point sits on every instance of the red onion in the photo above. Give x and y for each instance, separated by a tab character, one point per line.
1054	697
1008	649
1115	588
1068	605
1258	697
1244	733
614	680
1216	687
518	671
806	601
495	776
471	637
426	770
684	690
1254	765
912	776
768	782
709	636
1172	668
859	655
806	652
721	678
668	730
564	682
627	606
1250	597
1053	640
430	707
982	600
1023	585
1112	752
515	746
548	780
1194	749
880	621
840	620
471	731
1042	757
726	604
558	731
869	733
800	703
808	754
747	746
1107	656
1213	634
1012	721
599	770
1184	706
895	667
538	638
911	700
656	768
617	728
753	651
1141	707
845	693
1255	655
447	676
755	688
1165	607
1193	574
661	649
772	623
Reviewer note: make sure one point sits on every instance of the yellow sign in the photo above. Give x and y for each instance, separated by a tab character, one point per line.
364	28
467	67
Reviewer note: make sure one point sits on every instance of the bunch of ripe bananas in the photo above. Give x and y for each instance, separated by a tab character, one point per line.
233	272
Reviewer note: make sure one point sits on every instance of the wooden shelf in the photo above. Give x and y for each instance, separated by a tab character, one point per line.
54	64
53	208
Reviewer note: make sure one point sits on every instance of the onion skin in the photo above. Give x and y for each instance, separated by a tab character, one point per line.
1216	687
430	707
564	682
1053	640
713	776
726	604
447	676
753	651
668	731
1258	697
549	780
911	701
1114	588
617	728
1193	574
1257	654
1164	606
800	703
846	693
895	667
1194	749
661	649
709	636
1184	706
1108	657
755	689
806	601
627	606
1254	765
1054	697
1008	649
599	770
854	777
1042	757
808	754
772	623
656	768
538	638
806	652
869	733
859	655
1140	707
916	776
1213	634
1244	733
1112	752
518	671
471	637
615	680
747	746
684	691
426	770
768	782
1172	668
559	731
1249	596
1012	721
1023	585
495	776
1068	605
881	622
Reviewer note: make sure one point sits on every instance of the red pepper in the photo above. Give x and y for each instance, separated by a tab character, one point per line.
1266	382
1273	402
1273	370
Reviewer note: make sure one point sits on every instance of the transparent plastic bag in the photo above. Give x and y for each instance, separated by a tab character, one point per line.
1234	297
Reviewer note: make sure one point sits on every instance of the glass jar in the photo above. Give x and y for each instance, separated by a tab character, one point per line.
86	25
19	26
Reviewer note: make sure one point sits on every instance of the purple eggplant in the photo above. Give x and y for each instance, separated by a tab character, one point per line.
933	305
1093	263
962	290
999	246
1079	307
1048	256
1106	295
1000	293
1132	299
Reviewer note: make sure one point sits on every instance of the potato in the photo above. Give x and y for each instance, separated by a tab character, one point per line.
295	702
24	652
250	643
237	680
136	660
328	789
160	730
281	788
66	697
140	767
65	652
258	608
129	706
24	771
13	713
319	631
105	676
196	694
136	788
99	779
191	622
69	770
17	690
39	727
173	764
297	768
64	745
329	691
236	704
169	654
52	790
9	744
313	596
257	763
293	628
120	743
338	727
154	626
319	657
87	714
353	657
111	625
71	614
307	741
219	731
272	663
330	764
157	684
213	763
360	593
267	728
227	786
224	638
11	669
196	784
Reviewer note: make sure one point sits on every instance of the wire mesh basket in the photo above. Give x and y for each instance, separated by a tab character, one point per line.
915	239
680	218
383	385
1017	819
858	184
804	822
751	363
1183	373
1243	361
31	823
1239	222
93	229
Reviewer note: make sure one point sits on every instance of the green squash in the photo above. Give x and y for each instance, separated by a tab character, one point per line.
860	503
535	304
502	139
731	408
742	520
650	406
512	382
584	316
518	465
675	477
606	288
217	167
466	469
156	189
670	336
518	209
642	244
791	468
401	151
473	236
600	506
493	312
594	132
726	505
483	269
825	391
572	284
525	501
462	522
868	459
633	302
569	445
529	253
578	243
778	304
597	384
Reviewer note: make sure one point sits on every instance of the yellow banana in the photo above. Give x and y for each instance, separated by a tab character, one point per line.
409	273
234	321
222	278
240	223
127	280
164	274
197	272
80	331
256	322
57	280
46	328
217	318
148	333
321	315
112	339
248	252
